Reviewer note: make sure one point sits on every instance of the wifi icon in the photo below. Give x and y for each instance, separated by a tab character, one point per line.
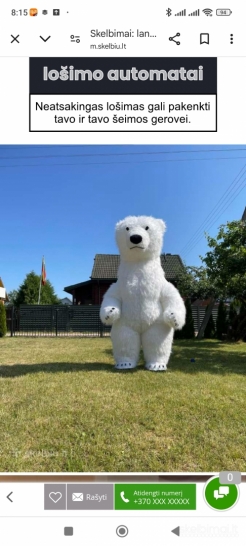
208	12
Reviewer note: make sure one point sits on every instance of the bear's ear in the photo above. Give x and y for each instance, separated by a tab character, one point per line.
162	225
119	225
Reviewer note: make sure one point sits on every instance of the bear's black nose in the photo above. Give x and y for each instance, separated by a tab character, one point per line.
135	239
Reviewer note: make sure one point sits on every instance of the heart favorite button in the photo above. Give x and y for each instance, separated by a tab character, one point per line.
55	496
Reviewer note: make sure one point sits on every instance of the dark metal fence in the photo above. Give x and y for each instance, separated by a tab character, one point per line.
56	320
69	320
198	313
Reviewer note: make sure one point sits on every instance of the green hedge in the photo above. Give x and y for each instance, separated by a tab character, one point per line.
222	321
187	331
3	322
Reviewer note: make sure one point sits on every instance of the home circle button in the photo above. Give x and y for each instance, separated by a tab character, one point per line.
122	531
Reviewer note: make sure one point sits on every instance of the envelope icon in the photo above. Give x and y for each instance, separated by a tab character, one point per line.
77	497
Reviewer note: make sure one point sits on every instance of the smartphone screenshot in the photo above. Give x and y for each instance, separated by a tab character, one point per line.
123	274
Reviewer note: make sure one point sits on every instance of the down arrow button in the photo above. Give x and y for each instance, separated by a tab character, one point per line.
45	39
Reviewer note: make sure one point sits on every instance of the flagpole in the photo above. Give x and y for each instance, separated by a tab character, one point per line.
40	283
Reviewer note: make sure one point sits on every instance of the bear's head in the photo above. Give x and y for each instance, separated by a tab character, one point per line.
140	238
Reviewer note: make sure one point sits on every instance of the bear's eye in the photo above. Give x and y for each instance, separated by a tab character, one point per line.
147	227
127	228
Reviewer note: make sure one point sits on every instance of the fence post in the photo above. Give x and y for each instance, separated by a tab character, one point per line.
56	322
12	321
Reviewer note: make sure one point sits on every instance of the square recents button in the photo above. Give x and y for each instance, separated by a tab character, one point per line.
68	531
81	496
55	496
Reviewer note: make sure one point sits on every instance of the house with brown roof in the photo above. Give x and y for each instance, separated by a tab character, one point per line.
104	273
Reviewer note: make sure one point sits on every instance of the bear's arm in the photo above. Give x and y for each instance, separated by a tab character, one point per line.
112	296
110	310
174	311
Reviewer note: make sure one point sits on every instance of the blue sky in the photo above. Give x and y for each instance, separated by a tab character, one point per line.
64	201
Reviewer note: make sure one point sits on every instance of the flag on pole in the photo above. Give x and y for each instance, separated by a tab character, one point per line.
43	273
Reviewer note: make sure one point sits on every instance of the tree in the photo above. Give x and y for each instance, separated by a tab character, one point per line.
29	290
242	322
226	262
224	273
238	327
3	322
232	312
221	322
194	283
209	331
12	296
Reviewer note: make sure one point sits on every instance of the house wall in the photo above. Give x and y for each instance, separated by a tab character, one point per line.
83	295
98	291
93	293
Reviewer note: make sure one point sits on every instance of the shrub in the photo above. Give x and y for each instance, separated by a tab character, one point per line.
209	332
3	321
187	331
232	321
232	312
242	322
222	322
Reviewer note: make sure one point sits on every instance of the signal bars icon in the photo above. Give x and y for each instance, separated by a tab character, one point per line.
195	13
181	13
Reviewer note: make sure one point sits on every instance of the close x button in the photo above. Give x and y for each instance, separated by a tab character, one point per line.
15	38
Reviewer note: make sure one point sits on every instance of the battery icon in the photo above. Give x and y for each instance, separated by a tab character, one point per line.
223	12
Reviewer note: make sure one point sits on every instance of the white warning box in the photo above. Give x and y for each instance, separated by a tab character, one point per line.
100	113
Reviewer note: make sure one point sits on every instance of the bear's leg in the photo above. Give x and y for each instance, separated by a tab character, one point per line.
126	346
157	345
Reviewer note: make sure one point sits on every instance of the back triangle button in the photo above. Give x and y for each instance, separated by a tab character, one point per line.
176	531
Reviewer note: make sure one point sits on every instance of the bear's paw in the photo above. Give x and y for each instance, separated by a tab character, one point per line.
109	315
156	367
172	320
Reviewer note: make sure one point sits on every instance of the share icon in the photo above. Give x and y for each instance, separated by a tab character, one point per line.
172	38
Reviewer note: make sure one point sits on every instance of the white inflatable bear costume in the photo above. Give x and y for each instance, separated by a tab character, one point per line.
143	307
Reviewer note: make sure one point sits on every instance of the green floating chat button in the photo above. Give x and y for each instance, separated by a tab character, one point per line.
145	496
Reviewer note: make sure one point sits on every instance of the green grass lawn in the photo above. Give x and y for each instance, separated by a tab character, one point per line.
64	408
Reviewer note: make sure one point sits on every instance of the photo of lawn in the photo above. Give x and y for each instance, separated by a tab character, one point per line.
64	408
